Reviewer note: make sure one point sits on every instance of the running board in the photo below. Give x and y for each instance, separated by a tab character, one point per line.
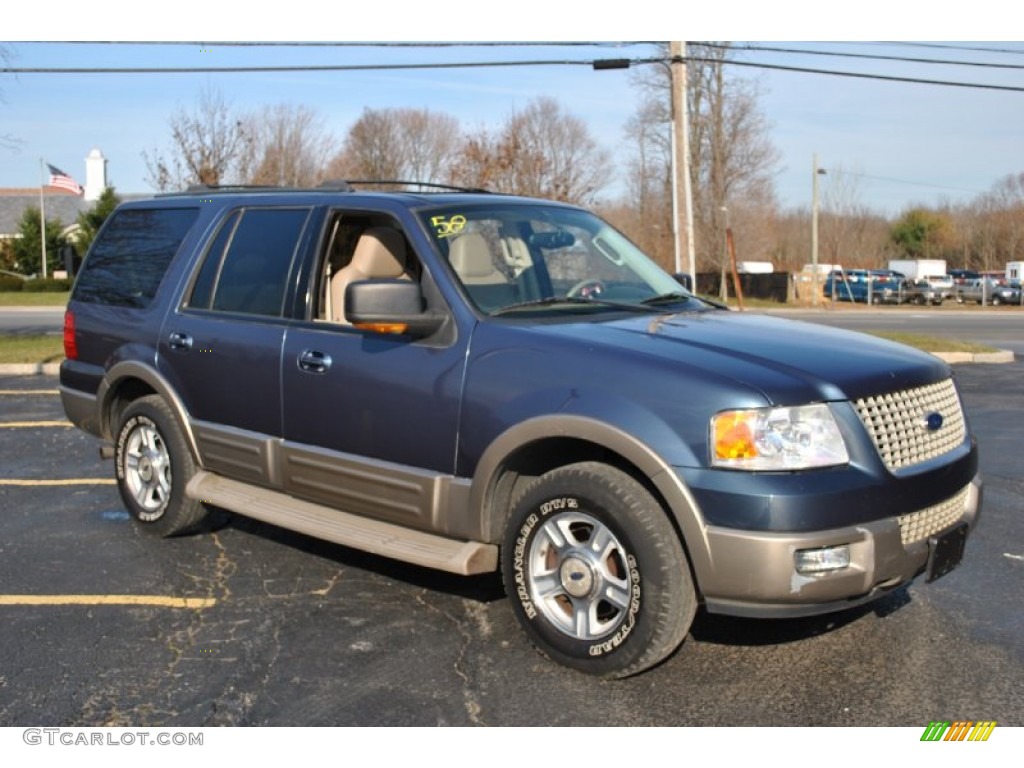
380	538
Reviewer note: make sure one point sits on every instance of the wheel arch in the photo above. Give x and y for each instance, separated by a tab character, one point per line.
126	382
535	446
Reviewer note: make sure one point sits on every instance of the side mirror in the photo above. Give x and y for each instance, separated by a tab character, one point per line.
390	306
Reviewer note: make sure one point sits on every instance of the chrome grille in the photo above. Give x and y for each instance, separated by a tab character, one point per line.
898	428
918	526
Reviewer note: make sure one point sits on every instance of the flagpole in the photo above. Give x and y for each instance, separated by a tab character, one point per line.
42	212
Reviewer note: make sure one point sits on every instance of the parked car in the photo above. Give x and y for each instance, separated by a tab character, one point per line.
943	284
922	292
961	276
883	289
476	383
988	291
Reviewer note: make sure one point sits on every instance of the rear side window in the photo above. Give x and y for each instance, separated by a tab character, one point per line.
131	256
246	269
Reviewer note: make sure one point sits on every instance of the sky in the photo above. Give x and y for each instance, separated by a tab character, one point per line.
894	144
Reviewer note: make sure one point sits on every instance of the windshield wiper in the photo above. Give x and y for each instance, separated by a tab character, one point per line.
667	298
571	300
676	298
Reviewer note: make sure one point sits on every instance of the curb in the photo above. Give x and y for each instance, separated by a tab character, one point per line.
1002	356
29	369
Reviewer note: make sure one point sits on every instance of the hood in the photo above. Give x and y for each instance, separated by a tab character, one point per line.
788	362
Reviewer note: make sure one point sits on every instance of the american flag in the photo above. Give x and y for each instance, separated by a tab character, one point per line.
60	179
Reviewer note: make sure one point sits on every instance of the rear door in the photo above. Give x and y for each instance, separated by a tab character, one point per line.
222	348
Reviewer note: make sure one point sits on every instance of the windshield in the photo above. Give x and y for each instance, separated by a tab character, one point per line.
529	256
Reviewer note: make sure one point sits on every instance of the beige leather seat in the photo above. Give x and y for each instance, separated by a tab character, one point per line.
487	286
470	256
380	254
516	255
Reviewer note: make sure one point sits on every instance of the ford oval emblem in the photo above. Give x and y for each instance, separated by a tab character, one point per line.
932	421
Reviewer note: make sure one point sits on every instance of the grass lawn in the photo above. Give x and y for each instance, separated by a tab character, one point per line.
933	343
32	349
31	299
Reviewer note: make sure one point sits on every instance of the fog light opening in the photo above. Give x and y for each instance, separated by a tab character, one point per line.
822	560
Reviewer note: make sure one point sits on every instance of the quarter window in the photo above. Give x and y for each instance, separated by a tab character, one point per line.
131	256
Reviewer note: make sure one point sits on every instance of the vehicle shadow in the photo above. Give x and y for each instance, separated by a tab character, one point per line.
488	588
484	588
736	631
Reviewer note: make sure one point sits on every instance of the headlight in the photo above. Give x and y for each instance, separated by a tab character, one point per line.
764	439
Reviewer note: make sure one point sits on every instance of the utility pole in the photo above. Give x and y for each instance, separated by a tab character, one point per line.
682	221
815	173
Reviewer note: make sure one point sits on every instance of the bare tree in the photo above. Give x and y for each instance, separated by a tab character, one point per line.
399	144
541	151
732	160
208	146
849	231
290	147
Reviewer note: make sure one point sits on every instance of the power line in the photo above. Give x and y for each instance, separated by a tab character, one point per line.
861	75
838	172
487	64
958	47
345	44
874	57
287	68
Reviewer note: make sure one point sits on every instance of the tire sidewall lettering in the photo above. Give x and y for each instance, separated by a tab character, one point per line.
524	539
627	626
122	440
519	566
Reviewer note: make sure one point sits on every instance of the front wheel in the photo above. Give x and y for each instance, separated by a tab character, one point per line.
153	465
595	571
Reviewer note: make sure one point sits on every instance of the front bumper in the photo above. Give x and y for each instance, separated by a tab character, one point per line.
753	573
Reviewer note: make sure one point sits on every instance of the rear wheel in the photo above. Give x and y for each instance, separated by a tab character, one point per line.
596	573
153	465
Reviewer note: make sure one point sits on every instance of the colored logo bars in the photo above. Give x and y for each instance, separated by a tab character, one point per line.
961	730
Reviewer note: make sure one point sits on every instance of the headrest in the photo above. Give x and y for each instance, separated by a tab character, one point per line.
470	256
380	253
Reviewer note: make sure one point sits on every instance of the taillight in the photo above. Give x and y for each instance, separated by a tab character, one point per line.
70	345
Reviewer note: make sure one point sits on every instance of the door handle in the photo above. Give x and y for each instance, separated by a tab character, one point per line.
180	341
314	361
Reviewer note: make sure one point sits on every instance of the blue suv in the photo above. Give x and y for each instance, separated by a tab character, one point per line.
475	382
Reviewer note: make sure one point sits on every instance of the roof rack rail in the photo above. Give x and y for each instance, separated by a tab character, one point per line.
426	184
222	189
330	185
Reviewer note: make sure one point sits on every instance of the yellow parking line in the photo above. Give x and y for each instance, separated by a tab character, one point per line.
69	481
155	600
29	392
30	424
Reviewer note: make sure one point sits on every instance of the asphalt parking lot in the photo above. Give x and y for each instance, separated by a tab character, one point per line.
247	624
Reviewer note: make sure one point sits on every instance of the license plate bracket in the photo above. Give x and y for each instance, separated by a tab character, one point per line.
946	551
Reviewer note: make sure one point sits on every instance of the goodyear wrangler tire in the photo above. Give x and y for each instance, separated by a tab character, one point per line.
595	572
152	465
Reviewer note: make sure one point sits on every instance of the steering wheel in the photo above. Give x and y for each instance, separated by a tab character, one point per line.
586	289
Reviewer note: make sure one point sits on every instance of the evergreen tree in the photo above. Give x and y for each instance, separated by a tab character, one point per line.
89	222
28	248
